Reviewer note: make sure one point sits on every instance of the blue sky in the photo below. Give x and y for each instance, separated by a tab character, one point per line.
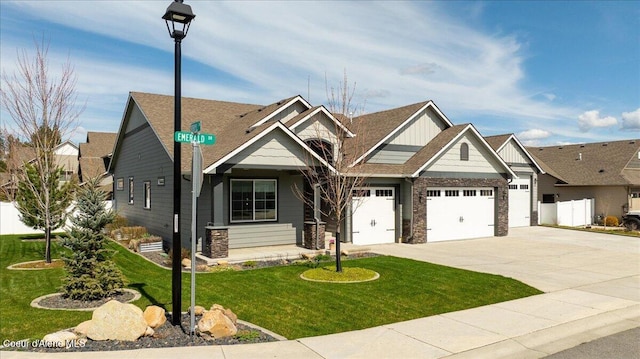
551	72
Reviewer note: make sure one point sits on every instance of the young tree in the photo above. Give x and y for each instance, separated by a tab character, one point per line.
336	188
43	205
91	274
43	110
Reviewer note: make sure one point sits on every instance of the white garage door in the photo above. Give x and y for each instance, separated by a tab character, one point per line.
459	213
373	217
520	202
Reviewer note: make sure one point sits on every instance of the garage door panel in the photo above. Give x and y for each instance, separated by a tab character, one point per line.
373	217
520	202
459	213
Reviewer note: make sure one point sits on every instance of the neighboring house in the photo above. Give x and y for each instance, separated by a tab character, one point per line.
94	156
523	191
608	172
66	155
427	180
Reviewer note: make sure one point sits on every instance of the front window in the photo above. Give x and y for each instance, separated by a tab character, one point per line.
253	200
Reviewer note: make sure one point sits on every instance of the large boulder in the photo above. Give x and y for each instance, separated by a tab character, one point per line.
154	316
60	339
117	321
217	324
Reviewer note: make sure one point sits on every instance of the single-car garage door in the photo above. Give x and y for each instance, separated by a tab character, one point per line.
459	213
373	218
520	202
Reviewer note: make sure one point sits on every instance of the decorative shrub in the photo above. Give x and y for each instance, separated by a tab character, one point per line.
118	222
133	232
611	221
91	274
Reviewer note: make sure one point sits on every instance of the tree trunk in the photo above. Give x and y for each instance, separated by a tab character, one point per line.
338	252
47	251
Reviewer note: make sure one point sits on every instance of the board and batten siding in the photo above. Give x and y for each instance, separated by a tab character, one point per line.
422	129
317	127
480	161
278	149
142	156
511	153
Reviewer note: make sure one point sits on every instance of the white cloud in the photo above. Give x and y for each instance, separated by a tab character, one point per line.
533	134
631	120
591	119
549	96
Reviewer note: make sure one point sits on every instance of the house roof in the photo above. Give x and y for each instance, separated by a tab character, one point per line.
591	164
234	124
496	142
91	154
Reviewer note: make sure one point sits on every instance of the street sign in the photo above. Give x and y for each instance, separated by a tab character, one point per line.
195	127
200	138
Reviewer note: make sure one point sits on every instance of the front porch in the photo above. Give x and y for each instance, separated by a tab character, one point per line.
281	252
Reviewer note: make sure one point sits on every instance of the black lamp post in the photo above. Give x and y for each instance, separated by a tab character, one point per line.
178	18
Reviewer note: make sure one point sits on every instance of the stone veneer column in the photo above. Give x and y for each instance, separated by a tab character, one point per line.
216	244
420	209
311	241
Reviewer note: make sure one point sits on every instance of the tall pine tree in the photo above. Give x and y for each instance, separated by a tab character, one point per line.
91	274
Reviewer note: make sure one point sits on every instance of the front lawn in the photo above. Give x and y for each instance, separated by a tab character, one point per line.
274	298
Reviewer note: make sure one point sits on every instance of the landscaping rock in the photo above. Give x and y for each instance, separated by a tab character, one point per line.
186	263
309	255
154	316
217	324
149	332
60	339
199	310
231	315
82	328
117	321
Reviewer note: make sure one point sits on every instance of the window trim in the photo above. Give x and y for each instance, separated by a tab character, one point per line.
147	194
131	190
253	181
464	152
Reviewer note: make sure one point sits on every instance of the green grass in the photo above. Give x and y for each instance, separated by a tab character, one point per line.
274	298
618	231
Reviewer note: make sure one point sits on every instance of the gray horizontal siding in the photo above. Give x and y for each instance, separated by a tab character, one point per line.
257	235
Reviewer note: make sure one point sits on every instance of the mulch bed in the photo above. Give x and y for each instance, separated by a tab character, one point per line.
59	302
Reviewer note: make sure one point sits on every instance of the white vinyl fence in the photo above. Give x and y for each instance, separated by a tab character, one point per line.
568	213
10	222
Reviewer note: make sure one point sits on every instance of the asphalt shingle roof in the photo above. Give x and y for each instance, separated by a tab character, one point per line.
590	164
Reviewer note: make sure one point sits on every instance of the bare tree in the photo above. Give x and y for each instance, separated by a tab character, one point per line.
43	110
337	182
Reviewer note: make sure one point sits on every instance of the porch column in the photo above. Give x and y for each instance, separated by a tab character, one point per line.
218	200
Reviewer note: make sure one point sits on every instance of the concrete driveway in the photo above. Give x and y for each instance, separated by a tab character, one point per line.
549	259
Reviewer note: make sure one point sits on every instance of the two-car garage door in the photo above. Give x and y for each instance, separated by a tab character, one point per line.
459	213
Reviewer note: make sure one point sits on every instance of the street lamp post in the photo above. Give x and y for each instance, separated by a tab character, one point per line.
178	18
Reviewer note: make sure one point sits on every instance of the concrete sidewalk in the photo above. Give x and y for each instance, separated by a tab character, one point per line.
591	284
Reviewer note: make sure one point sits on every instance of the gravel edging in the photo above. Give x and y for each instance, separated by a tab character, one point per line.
59	303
